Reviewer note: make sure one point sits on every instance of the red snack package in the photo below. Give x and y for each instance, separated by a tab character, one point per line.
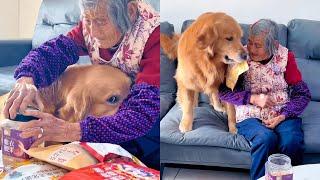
115	170
105	152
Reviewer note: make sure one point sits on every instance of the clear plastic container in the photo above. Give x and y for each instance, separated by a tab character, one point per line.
278	167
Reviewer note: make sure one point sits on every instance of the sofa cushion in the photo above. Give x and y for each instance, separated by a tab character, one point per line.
282	34
311	126
186	24
310	70
168	67
55	17
168	85
167	71
204	155
209	129
245	28
304	38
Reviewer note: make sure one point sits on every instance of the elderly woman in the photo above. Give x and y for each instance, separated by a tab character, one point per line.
266	114
121	33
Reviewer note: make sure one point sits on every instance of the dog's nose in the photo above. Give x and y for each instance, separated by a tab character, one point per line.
244	55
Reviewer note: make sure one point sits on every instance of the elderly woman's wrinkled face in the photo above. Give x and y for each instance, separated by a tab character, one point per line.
101	27
256	48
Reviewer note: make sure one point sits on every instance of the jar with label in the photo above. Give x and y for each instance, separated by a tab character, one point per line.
12	144
278	167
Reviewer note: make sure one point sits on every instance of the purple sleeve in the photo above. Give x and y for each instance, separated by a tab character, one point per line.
135	118
299	98
45	63
238	96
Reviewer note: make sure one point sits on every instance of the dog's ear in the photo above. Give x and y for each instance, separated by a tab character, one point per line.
207	36
78	104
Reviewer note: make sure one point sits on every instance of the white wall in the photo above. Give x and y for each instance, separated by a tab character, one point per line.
18	18
27	17
244	11
9	24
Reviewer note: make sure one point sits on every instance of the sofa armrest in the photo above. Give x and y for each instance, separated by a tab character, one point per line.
13	51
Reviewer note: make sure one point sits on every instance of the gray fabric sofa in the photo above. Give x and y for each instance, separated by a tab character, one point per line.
209	143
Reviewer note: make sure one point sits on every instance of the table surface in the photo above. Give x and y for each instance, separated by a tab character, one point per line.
305	172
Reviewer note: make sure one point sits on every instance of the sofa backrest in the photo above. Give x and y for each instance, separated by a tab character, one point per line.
55	17
304	41
304	38
168	67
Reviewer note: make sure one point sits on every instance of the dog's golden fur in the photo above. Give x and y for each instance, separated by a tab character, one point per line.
204	51
83	90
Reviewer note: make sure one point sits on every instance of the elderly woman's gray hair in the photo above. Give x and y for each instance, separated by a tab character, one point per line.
269	29
117	10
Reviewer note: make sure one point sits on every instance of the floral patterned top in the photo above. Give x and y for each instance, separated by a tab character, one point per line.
266	79
127	57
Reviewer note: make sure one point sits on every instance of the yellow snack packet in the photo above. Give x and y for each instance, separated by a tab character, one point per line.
35	170
69	156
233	73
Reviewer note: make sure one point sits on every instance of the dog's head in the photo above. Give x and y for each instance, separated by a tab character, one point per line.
220	35
96	90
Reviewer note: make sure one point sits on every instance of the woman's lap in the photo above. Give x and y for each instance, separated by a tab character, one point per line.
287	132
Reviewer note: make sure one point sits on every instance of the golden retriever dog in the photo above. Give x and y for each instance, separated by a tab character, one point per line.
83	90
204	51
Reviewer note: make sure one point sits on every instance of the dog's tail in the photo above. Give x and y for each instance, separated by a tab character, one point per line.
170	45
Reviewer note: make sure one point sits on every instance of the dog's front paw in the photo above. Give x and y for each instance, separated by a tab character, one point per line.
185	126
233	130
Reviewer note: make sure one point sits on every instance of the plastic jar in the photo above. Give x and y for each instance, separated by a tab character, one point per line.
12	144
278	167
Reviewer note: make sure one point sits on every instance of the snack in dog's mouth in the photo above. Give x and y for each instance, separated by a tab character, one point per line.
233	73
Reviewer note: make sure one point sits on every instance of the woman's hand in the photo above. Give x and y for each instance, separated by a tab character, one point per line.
261	100
272	123
23	94
49	128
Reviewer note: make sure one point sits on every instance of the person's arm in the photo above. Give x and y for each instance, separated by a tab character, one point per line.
139	111
237	97
45	63
300	95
